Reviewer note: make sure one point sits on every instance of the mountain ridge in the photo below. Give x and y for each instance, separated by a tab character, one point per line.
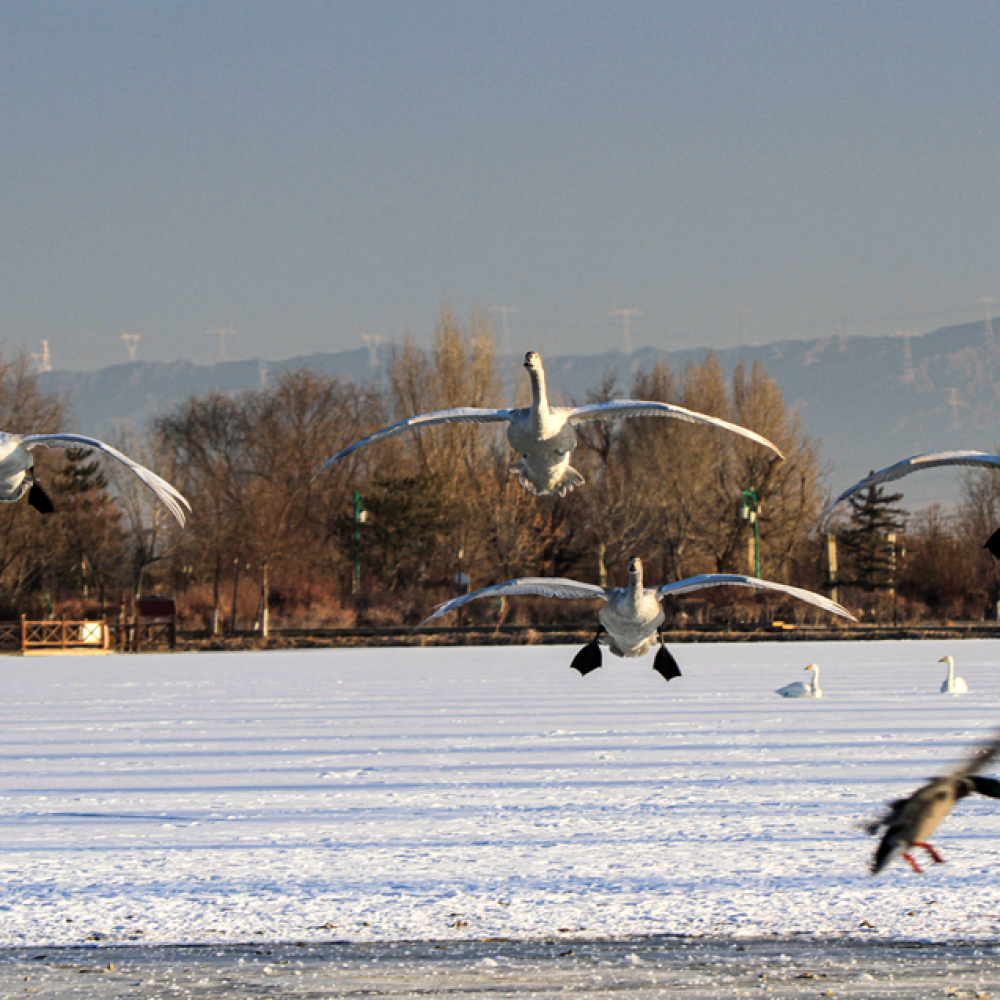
934	391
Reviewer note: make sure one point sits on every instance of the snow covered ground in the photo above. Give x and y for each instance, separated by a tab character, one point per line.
483	792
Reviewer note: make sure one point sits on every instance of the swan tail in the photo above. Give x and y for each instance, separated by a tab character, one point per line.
522	474
570	480
888	849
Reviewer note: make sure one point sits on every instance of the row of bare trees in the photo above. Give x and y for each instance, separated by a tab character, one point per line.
266	538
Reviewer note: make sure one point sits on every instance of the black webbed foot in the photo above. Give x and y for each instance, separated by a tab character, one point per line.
39	499
589	658
993	544
665	665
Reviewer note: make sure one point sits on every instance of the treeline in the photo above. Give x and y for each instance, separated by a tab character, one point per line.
267	544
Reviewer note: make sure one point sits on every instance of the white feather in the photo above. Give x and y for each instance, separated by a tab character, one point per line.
172	499
915	463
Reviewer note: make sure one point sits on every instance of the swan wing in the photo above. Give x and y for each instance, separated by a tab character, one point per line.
795	690
460	415
914	464
616	408
735	580
171	498
541	586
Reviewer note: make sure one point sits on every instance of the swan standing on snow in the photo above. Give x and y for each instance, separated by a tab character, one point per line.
17	470
801	690
631	616
910	821
952	684
977	459
543	435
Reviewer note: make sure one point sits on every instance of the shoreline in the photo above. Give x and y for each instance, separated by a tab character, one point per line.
644	966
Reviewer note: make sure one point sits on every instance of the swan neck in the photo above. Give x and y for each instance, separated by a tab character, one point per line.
634	591
815	678
539	397
951	671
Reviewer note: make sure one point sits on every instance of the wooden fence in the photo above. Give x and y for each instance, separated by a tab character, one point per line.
52	636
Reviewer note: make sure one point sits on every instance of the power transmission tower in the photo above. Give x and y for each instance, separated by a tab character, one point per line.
988	302
131	344
626	316
953	402
505	311
43	360
909	375
372	340
222	332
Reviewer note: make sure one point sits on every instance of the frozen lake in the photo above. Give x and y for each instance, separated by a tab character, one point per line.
387	795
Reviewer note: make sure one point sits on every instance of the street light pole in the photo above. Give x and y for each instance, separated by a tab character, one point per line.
360	516
750	511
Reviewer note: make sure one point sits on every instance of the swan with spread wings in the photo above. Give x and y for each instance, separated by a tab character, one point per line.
916	463
17	470
632	616
543	436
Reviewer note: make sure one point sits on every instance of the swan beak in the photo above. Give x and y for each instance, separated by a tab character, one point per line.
944	659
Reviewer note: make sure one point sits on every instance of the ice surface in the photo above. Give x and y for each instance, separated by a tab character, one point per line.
484	792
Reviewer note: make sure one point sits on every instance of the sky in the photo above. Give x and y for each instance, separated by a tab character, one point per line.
302	175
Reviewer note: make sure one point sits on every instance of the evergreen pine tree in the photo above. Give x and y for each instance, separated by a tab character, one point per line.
868	555
88	523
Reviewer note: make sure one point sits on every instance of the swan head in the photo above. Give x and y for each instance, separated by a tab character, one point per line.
533	361
946	659
813	666
635	573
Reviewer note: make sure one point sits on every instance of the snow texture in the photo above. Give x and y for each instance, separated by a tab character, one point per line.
485	792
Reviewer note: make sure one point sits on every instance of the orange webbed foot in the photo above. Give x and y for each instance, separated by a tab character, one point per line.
932	851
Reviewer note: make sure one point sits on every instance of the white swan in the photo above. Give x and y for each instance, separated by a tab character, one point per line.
631	616
914	464
17	470
801	690
952	684
543	435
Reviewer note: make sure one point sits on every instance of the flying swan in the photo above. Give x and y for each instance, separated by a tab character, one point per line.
802	690
631	616
890	473
952	684
543	435
17	470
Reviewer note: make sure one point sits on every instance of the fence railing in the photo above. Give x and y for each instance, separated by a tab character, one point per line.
87	636
50	635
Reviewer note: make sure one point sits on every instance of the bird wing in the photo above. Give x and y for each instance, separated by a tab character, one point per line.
735	580
914	464
461	415
979	758
541	586
616	408
173	500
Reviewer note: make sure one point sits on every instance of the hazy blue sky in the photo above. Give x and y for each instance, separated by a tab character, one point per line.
309	172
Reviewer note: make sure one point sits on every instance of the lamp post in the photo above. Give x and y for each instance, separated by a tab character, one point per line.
461	581
360	517
897	550
750	511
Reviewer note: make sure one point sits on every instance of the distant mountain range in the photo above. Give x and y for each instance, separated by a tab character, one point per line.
870	400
